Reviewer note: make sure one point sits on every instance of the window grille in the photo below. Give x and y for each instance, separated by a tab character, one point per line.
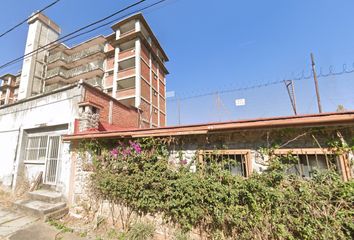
36	148
237	162
306	161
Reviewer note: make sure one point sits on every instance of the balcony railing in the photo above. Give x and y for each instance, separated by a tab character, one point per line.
86	52
76	56
84	69
58	56
59	71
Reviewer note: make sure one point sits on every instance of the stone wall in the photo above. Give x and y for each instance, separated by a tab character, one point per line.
184	150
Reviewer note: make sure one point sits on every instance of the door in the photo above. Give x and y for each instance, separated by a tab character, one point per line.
52	160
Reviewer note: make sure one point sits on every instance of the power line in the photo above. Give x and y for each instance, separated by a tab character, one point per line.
91	30
25	20
72	33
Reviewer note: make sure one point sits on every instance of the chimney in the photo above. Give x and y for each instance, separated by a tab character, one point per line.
89	116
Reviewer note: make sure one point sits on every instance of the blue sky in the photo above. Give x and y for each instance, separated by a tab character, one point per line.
215	45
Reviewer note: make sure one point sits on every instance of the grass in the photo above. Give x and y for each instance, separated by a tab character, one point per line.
60	226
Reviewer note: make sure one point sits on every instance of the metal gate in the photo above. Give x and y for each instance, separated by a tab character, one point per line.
52	160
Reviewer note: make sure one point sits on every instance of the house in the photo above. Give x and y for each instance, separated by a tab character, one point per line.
307	137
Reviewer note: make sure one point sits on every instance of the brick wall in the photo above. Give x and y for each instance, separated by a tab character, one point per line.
162	119
155	116
145	70
110	62
145	90
154	98
122	116
144	53
109	81
162	89
145	107
162	104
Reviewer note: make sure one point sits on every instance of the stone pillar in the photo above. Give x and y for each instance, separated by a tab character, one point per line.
89	118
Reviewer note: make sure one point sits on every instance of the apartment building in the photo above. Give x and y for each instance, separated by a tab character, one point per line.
129	65
106	83
9	88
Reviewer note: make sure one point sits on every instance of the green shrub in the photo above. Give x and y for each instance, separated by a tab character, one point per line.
271	205
141	231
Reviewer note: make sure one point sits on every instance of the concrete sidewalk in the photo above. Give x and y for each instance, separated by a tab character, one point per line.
11	222
19	226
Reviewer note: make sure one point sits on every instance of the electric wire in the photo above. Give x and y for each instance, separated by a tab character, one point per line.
96	28
72	33
25	20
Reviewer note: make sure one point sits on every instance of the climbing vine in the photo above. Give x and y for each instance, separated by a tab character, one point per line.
138	176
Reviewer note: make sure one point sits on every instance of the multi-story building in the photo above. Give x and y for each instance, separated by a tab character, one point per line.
105	83
129	65
9	88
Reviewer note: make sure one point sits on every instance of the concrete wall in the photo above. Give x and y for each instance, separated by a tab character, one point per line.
39	34
36	114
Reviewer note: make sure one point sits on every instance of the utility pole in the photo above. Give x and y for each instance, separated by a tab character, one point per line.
316	83
289	84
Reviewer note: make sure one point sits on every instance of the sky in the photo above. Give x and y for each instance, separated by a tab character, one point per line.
225	44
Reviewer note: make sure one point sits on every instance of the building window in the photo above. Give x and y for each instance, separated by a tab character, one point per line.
36	148
237	162
40	148
305	162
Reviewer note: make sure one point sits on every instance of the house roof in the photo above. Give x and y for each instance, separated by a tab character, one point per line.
311	120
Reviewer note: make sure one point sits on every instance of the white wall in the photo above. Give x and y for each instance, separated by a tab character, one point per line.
8	141
38	112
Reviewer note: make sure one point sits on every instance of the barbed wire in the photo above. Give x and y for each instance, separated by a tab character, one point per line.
300	77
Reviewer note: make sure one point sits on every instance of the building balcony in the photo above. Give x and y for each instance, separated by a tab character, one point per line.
87	71
59	56
56	74
87	52
76	59
127	32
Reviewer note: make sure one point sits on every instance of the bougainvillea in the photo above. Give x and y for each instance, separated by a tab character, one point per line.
271	205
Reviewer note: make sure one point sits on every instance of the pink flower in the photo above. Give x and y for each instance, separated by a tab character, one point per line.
136	147
114	152
126	152
184	162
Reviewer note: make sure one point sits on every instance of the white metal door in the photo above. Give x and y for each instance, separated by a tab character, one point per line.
52	160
